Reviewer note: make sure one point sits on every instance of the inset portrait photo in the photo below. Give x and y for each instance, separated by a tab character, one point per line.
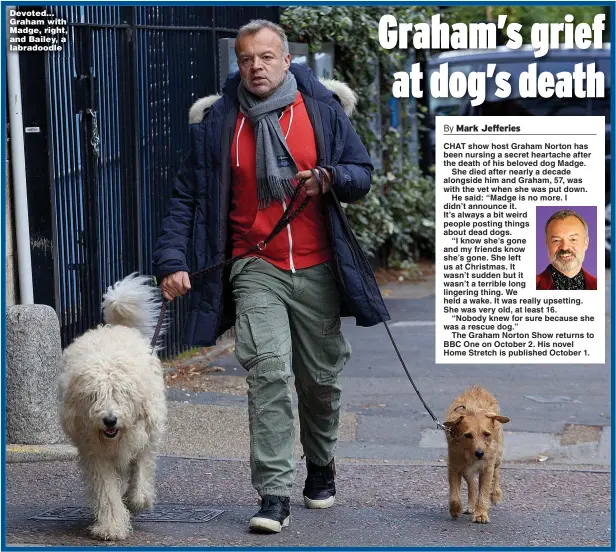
566	247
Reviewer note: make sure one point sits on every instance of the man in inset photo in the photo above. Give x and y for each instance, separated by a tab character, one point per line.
566	238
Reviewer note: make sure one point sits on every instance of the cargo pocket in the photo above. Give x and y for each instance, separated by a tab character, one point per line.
335	351
255	340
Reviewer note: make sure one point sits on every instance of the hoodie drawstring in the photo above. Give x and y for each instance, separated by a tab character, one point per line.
237	142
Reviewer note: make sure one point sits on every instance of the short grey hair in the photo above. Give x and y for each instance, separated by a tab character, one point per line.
564	213
257	25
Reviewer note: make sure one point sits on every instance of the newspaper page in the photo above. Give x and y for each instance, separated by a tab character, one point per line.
382	233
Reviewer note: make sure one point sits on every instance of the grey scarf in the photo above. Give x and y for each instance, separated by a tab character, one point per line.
275	166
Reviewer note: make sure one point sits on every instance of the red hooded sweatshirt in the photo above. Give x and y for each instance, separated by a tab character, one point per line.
304	242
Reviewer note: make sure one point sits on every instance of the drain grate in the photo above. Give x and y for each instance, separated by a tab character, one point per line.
169	513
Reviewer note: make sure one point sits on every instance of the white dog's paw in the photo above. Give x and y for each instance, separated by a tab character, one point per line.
109	532
140	502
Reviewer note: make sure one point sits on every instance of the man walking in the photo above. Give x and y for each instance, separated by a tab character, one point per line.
273	124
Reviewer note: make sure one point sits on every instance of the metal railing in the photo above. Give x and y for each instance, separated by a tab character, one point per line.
117	100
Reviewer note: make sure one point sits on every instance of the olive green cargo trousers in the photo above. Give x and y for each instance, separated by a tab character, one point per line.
288	322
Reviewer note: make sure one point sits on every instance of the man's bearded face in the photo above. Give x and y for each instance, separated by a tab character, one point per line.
567	243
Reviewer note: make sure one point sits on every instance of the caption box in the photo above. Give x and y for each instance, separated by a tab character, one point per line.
36	30
498	181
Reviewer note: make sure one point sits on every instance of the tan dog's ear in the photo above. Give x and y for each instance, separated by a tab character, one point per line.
501	419
451	425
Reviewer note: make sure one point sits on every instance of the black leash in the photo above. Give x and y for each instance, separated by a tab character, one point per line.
286	218
439	425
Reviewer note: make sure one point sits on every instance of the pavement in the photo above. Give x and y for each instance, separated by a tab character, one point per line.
391	460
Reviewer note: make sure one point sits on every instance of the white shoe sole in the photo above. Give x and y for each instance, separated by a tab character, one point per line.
314	504
268	525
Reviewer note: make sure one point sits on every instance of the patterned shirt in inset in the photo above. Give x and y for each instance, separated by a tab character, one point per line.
564	282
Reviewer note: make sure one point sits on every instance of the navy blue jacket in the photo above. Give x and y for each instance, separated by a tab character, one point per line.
200	202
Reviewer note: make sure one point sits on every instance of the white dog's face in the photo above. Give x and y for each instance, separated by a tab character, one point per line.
106	404
109	412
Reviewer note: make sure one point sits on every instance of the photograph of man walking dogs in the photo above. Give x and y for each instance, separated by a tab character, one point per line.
222	284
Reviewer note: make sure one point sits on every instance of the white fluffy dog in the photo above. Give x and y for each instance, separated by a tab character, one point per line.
113	405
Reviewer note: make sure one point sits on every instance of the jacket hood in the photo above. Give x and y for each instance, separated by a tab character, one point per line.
196	111
340	91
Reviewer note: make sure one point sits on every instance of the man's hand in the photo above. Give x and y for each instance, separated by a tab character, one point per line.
175	284
312	187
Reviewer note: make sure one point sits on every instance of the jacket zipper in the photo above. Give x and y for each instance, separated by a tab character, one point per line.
328	213
229	117
333	246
